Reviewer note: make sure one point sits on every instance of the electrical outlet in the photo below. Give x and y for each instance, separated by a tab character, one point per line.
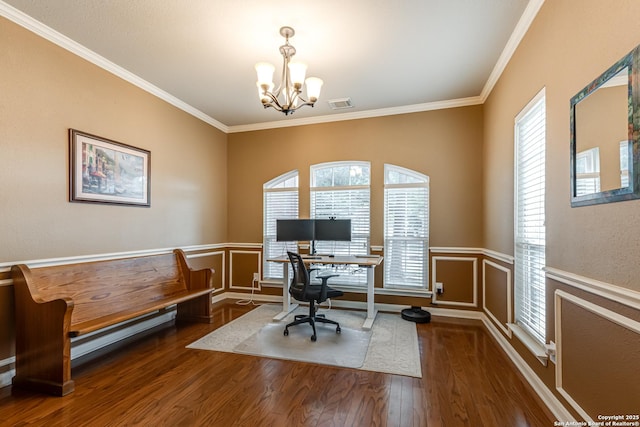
439	288
256	277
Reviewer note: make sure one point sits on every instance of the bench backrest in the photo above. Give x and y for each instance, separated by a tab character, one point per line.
101	288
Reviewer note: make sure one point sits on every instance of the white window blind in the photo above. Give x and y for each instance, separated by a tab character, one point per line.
341	190
588	171
529	233
406	228
280	199
625	146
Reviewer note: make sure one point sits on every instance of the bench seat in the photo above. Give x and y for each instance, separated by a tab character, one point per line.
56	303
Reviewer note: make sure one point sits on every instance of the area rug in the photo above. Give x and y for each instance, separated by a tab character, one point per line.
392	342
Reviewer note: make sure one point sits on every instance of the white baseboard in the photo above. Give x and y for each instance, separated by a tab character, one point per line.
85	344
91	342
549	399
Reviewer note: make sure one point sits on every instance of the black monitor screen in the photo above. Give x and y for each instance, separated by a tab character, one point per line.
288	230
333	229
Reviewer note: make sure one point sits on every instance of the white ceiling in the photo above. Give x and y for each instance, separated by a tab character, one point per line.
388	56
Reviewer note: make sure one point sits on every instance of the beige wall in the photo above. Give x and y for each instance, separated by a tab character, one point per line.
47	90
446	145
570	43
467	152
44	91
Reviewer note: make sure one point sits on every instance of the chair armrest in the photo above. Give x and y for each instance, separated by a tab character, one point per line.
324	285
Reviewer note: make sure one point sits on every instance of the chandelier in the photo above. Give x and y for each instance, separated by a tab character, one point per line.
288	96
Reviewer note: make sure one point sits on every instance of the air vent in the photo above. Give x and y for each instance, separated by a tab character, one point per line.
340	104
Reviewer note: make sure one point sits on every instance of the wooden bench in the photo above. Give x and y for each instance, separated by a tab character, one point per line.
53	304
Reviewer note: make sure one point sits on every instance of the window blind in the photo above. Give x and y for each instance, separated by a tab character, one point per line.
280	201
406	228
530	218
341	190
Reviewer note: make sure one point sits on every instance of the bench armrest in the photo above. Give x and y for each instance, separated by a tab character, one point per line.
195	279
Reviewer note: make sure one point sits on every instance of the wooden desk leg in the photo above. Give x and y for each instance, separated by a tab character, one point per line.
287	306
371	309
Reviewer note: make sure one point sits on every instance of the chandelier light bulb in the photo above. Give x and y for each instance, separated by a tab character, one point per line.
314	85
287	97
297	71
265	73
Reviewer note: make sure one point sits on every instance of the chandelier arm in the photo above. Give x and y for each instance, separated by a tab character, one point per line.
291	94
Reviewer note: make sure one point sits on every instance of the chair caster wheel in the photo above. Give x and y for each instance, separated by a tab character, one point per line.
286	332
313	338
338	330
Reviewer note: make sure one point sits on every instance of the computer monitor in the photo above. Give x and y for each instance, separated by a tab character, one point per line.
333	230
289	230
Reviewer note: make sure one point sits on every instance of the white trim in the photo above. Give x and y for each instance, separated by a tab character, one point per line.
87	343
76	48
243	245
376	248
463	250
407	109
607	314
47	262
223	263
6	377
547	397
434	299
537	349
99	339
525	21
259	267
606	290
455	250
509	259
205	254
503	327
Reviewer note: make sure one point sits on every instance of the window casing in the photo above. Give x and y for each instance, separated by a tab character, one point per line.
341	190
406	228
530	129
280	201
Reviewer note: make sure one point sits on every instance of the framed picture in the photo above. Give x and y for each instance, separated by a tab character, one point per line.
105	171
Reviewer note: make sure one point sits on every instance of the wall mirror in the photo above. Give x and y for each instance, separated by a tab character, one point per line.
605	121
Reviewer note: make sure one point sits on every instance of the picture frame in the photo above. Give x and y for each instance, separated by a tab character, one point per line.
108	172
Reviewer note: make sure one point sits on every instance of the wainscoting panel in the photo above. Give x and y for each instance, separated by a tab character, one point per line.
211	259
496	294
242	265
459	276
597	351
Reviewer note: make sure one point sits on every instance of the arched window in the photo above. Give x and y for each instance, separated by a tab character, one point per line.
406	228
341	190
280	200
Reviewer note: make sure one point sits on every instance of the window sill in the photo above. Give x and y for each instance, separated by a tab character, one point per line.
537	349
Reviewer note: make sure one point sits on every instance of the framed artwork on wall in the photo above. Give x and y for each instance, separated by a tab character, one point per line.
105	171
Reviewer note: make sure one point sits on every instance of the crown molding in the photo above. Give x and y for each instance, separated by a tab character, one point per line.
367	114
525	21
76	48
65	42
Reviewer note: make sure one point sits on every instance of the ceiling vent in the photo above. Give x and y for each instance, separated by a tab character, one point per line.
340	104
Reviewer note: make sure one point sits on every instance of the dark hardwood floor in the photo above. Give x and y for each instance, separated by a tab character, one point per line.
154	380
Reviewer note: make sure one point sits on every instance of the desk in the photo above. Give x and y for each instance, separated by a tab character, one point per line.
369	262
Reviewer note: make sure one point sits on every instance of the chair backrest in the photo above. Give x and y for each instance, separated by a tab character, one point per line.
300	280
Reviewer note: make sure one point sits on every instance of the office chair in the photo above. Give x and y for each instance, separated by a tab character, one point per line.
303	290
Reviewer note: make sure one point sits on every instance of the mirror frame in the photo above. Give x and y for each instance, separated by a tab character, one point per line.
631	60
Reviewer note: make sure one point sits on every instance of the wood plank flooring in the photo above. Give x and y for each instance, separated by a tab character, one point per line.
155	381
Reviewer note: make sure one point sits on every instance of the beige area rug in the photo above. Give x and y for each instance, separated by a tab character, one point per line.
390	347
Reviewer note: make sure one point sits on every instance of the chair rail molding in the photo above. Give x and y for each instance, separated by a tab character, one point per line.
628	297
